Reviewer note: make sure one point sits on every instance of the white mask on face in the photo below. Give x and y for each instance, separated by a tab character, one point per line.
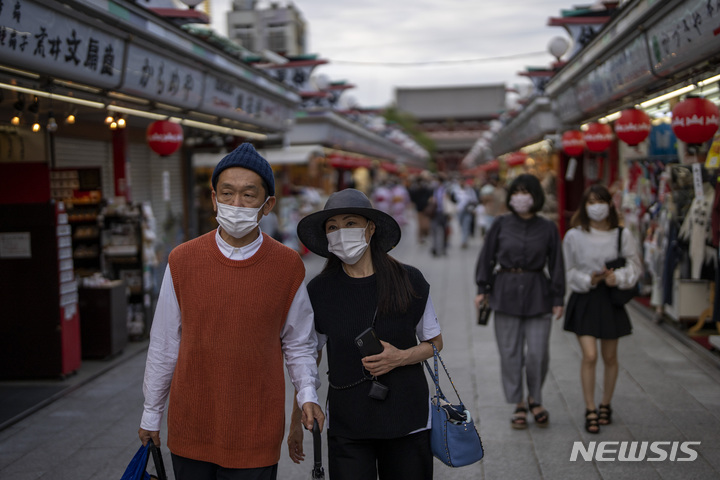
348	244
598	211
521	202
237	221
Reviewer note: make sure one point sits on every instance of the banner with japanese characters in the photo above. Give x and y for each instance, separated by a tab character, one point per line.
41	39
686	34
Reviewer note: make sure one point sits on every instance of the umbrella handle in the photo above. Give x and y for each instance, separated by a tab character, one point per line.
317	444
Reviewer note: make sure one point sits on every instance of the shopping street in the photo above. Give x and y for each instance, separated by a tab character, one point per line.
666	391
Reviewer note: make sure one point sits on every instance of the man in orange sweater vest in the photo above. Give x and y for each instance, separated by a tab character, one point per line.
232	303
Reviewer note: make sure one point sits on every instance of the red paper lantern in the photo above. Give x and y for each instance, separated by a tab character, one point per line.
598	137
633	126
164	137
573	143
695	120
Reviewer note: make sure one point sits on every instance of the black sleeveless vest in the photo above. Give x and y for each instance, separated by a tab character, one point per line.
344	307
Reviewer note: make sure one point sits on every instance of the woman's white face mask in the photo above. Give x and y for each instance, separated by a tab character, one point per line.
521	202
348	244
237	221
598	211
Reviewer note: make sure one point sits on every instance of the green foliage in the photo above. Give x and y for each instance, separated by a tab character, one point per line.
408	123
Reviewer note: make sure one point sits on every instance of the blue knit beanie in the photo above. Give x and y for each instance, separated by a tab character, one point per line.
246	156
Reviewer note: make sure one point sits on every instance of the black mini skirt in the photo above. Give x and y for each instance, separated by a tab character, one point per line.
593	314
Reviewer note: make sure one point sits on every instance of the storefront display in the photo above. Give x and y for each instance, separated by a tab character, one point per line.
40	321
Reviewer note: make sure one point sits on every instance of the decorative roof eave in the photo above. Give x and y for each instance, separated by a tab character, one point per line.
530	126
561	22
365	141
181	15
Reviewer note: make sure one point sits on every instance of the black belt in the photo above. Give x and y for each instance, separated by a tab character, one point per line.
517	270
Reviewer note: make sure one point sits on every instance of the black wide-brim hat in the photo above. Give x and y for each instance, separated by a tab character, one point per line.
311	229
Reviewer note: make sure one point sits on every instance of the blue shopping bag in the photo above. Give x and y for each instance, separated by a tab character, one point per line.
137	468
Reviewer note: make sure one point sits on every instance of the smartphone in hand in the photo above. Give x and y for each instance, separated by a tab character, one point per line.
368	343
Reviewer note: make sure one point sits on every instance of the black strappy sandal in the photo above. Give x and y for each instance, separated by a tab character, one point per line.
542	418
604	414
519	422
591	424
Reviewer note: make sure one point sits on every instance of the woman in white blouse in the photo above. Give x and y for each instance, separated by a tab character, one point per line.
590	314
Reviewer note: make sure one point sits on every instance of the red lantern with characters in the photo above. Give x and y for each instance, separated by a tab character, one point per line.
573	143
598	137
633	126
695	120
164	137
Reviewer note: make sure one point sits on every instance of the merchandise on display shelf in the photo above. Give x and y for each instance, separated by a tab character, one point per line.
80	190
127	257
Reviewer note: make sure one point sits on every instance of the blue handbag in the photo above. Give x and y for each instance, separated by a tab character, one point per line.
137	468
454	440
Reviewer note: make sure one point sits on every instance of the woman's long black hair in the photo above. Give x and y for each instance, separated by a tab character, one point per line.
394	290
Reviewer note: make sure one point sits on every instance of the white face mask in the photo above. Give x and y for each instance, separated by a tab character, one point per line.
348	244
598	211
237	221
521	202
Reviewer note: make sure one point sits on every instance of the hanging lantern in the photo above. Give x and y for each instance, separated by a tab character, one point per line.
695	120
598	137
573	143
633	126
164	137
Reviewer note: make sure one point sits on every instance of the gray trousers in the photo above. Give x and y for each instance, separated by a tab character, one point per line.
523	343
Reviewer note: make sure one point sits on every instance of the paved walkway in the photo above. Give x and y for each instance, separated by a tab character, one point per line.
666	392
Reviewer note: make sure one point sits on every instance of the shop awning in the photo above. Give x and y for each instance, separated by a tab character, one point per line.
485	167
390	167
515	159
339	160
292	155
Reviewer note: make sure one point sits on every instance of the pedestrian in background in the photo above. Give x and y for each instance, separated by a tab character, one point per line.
466	200
225	317
370	433
420	193
521	269
590	313
442	208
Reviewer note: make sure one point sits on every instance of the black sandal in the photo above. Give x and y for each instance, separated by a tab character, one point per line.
604	414
519	422
591	424
542	418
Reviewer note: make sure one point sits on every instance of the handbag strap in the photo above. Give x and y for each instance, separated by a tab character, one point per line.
157	460
435	376
619	242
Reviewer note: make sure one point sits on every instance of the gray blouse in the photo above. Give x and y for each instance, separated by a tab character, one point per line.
521	266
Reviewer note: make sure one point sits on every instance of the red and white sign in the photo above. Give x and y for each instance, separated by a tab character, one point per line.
164	137
695	120
633	126
598	137
573	143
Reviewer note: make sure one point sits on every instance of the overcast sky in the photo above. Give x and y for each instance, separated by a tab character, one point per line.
401	31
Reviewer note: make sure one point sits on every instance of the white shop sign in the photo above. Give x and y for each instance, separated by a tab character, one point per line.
686	35
41	39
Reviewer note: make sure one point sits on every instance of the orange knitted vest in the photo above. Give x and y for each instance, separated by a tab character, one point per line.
227	398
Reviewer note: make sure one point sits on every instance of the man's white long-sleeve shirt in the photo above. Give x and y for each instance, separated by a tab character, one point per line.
299	342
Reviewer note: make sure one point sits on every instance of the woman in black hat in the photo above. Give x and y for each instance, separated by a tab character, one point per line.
380	403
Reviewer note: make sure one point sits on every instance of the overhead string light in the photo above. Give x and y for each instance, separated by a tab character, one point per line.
19	106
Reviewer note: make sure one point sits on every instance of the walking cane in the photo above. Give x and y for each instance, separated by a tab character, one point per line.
317	471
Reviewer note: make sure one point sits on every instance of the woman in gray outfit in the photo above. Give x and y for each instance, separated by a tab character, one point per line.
521	269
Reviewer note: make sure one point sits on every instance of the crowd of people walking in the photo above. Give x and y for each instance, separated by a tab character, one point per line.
219	337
